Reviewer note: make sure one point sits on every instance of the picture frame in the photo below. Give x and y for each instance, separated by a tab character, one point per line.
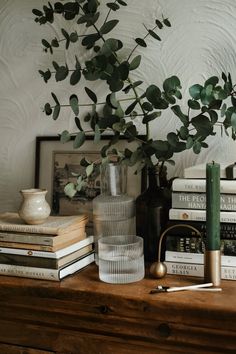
54	163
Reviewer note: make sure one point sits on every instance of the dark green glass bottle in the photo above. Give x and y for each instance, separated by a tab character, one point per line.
152	210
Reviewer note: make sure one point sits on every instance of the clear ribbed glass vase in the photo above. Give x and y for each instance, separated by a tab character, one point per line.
113	209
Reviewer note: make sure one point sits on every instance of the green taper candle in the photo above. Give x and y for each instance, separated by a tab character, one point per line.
212	206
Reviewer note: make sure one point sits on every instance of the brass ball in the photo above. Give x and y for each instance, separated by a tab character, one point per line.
158	270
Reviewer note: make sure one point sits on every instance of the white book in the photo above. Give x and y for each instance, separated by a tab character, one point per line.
44	273
199	171
199	185
191	200
200	215
187	257
57	254
197	270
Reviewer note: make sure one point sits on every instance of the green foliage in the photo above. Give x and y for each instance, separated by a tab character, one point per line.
207	106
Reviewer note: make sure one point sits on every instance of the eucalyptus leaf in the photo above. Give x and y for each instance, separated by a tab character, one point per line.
74	37
172	139
189	142
183	117
171	83
62	73
149	117
75	77
212	81
203	125
89	169
113	6
154	35
159	24
121	2
195	91
97	134
91	95
55	98
79	140
135	62
56	112
153	93
108	26
183	132
116	85
48	109
65	137
193	104
70	190
141	42
78	124
233	121
111	100
131	107
197	147
167	22
124	70
74	103
147	106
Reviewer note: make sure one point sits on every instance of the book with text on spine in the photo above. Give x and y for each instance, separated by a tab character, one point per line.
200	215
37	247
58	254
54	225
191	200
199	185
196	245
199	171
197	270
187	257
227	230
42	239
41	262
46	273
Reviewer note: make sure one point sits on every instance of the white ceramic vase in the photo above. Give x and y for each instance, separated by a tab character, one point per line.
34	208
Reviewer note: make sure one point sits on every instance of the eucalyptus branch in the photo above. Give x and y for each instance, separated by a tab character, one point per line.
137	45
129	80
108	13
96	104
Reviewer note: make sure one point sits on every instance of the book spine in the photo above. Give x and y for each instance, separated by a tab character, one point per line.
197	270
74	267
29	229
58	254
55	225
187	257
199	185
181	200
227	230
23	238
199	215
28	246
38	262
196	245
44	273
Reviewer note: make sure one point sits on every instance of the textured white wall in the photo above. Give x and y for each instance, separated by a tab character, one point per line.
201	43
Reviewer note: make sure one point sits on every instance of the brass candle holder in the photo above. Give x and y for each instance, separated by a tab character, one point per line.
158	269
212	267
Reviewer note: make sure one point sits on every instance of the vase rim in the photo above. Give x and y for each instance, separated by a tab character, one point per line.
34	190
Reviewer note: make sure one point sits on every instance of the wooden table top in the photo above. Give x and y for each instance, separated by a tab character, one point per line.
87	282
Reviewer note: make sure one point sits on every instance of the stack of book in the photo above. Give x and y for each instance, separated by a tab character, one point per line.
51	251
184	247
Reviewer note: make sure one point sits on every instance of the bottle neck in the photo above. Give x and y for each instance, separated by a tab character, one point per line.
153	180
113	179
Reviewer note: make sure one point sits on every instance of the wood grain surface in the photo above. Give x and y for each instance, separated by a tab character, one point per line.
81	314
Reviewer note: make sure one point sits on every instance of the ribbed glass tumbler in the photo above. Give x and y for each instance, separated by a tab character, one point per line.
121	259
